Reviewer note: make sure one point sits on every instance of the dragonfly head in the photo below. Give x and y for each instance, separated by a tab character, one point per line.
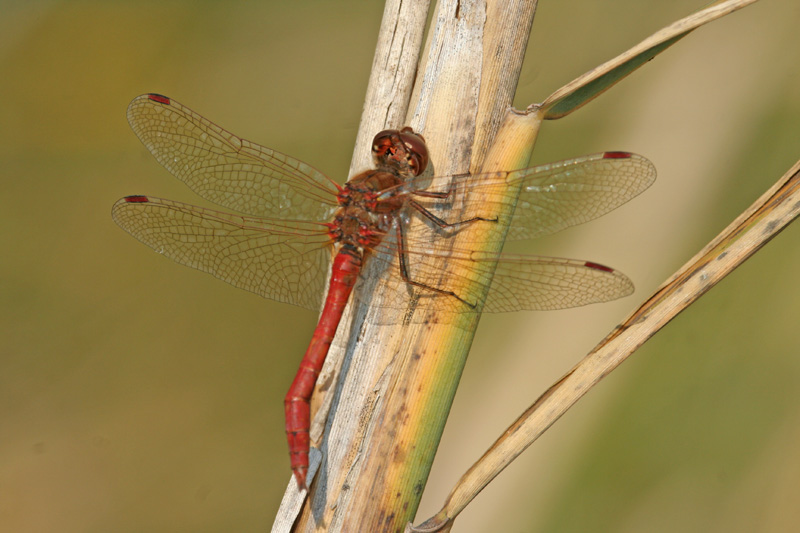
402	150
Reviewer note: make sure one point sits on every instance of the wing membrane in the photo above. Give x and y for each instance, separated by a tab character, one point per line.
520	282
551	197
226	169
280	260
556	196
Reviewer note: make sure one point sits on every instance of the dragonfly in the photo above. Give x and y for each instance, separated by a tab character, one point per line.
296	228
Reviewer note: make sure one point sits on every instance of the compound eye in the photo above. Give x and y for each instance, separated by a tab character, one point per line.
383	142
409	129
417	150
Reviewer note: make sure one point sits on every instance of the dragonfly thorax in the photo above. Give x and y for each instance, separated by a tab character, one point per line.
373	190
359	227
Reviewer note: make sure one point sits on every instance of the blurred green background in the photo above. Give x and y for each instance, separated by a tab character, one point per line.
139	395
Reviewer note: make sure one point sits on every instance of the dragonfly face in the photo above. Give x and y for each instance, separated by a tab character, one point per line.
403	151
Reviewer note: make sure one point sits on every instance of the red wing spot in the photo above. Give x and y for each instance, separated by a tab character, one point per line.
137	199
597	266
160	98
616	155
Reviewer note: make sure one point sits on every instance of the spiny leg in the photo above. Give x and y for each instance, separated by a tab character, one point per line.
401	255
442	223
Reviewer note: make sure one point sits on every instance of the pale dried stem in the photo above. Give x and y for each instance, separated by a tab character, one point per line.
399	380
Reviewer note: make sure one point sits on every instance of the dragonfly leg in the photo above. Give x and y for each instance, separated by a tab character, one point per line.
442	223
401	255
440	195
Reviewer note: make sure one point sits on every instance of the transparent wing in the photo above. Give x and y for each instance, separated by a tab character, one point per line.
562	194
226	169
552	197
288	261
547	283
281	260
520	282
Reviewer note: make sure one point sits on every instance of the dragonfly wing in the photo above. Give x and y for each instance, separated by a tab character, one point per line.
280	260
518	282
226	169
558	195
548	283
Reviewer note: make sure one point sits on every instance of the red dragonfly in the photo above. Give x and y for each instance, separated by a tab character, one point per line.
295	218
